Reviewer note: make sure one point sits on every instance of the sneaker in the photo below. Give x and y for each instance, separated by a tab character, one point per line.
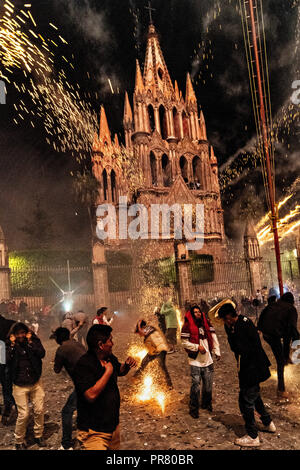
40	441
247	441
68	448
270	428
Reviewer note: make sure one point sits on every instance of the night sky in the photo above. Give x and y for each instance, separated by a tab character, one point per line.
106	37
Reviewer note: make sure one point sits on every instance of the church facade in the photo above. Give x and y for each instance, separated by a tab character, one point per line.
167	134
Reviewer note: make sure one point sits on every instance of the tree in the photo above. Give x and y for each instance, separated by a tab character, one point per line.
38	229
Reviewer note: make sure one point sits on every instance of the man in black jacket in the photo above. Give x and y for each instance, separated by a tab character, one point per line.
278	323
253	365
24	359
5	380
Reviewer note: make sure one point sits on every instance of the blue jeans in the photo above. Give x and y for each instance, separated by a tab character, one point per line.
250	400
67	415
206	375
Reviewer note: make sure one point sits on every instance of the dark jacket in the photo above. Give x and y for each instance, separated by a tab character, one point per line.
279	319
245	342
35	353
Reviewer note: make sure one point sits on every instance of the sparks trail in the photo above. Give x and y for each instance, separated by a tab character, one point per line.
46	96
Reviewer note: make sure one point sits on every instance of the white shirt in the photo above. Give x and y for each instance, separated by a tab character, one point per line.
202	360
105	321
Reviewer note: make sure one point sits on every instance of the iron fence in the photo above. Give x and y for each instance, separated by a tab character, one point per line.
146	284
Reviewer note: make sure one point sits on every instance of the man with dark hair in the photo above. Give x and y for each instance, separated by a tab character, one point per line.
5	378
67	356
101	319
200	342
278	323
157	348
24	359
98	398
253	366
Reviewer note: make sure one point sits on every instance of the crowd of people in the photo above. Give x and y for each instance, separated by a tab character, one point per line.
85	352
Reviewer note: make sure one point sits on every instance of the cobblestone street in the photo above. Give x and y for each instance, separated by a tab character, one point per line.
145	427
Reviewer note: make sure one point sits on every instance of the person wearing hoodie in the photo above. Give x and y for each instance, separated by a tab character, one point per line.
169	313
24	359
200	342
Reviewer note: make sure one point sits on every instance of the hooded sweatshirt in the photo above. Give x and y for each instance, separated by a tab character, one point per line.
191	342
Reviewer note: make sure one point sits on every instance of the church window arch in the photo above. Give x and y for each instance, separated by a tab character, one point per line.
153	169
197	172
163	122
105	185
184	168
160	73
166	170
151	118
113	182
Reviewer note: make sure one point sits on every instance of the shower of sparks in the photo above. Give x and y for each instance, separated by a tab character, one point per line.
137	352
69	121
146	393
149	393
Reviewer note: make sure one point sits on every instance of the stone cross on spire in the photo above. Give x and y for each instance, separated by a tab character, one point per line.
150	11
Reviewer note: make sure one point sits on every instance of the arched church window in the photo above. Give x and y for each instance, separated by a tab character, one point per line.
163	122
113	186
151	118
166	170
176	118
185	123
153	169
184	168
160	73
105	186
197	172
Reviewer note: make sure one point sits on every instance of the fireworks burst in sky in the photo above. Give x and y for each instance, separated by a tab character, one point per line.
47	95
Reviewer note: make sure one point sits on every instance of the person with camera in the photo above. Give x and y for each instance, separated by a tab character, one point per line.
98	399
101	318
24	360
